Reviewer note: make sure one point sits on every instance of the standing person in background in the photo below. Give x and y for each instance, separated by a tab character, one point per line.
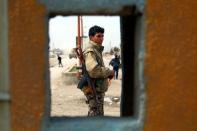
115	62
97	71
59	58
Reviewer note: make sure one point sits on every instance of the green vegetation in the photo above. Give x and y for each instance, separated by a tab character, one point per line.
74	69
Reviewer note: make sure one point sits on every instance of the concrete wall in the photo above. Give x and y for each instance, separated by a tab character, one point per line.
4	75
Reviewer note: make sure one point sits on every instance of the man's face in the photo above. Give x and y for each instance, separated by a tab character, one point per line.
97	38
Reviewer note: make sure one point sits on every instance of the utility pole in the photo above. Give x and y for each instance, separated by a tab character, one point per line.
79	34
81	31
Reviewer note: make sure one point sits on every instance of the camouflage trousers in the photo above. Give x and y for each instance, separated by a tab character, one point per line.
95	108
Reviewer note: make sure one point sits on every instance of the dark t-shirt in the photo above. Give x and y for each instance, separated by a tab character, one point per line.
59	58
115	62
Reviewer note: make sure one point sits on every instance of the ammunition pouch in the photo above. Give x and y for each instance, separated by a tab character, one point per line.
82	82
83	85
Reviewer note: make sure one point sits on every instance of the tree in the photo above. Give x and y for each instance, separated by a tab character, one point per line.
116	49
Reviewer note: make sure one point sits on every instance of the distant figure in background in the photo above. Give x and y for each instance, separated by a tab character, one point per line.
115	62
59	61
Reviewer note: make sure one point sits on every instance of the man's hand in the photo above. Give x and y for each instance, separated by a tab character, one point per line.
79	75
111	75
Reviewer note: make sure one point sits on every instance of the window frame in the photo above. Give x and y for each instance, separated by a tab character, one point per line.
4	75
129	11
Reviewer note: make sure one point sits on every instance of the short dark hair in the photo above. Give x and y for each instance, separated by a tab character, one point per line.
95	29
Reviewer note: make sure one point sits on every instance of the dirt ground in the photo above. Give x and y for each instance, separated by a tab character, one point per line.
67	100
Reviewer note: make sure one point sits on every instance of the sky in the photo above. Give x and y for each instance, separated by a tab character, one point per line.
63	30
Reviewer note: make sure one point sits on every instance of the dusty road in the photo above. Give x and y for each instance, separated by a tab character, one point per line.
67	100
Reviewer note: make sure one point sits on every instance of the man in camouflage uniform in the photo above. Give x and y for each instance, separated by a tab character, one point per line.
97	71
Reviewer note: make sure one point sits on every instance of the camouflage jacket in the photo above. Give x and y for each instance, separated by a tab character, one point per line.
95	66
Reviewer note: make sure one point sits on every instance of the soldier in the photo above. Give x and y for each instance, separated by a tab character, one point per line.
96	70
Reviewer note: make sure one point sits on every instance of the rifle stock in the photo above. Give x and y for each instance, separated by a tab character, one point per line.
85	73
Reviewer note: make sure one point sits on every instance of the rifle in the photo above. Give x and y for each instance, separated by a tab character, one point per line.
86	79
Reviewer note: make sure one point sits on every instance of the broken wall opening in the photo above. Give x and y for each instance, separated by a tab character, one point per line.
133	113
66	99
